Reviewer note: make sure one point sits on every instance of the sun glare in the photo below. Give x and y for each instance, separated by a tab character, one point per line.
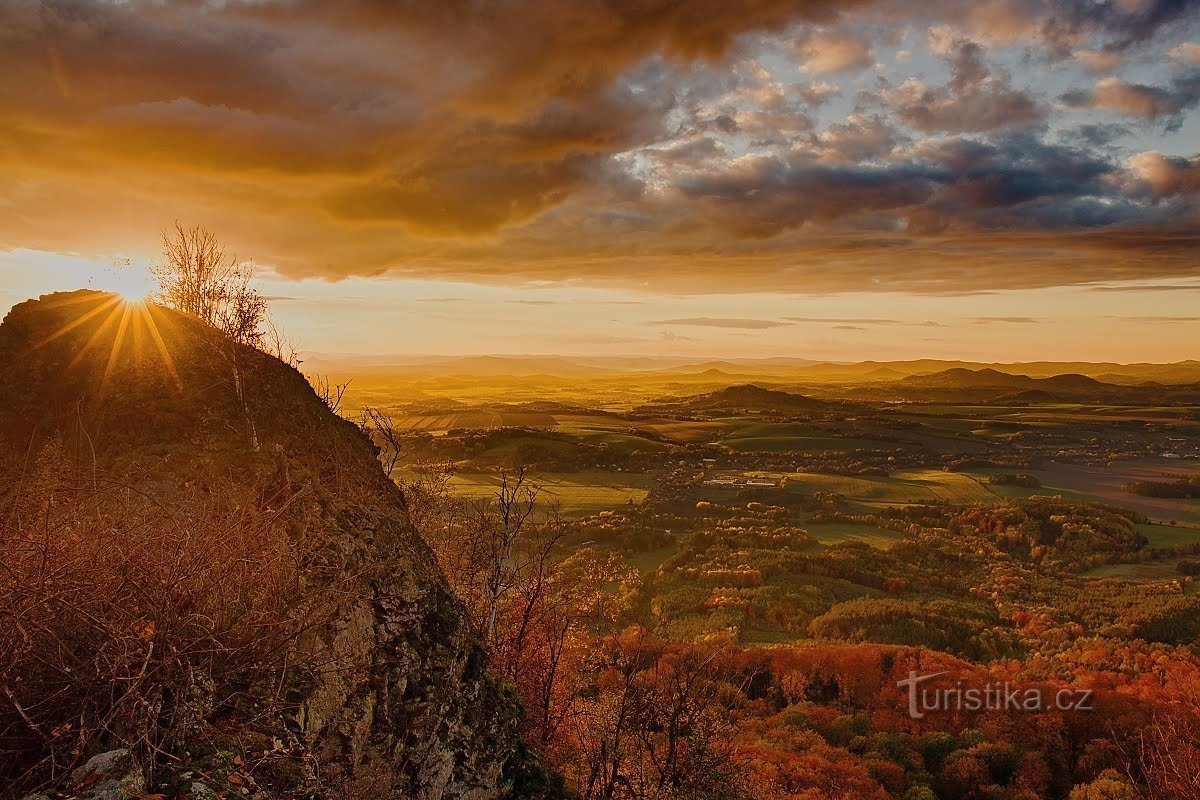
133	284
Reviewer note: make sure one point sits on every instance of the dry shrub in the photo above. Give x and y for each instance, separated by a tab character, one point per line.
129	618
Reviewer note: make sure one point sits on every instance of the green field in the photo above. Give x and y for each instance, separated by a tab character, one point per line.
686	431
903	486
622	442
1146	571
1011	492
1169	535
833	533
778	437
646	563
576	493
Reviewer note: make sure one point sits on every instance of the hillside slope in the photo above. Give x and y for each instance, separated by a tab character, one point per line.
740	398
390	696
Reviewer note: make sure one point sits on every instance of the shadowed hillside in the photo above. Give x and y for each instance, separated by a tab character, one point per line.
123	426
743	397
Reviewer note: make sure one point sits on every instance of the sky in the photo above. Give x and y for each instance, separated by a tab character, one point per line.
1000	180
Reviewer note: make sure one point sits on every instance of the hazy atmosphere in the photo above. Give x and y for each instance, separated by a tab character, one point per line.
1006	179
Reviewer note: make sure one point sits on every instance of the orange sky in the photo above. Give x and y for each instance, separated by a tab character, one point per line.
995	180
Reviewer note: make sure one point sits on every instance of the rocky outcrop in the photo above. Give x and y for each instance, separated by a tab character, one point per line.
392	698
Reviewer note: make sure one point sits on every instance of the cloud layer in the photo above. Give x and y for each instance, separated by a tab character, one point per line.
695	147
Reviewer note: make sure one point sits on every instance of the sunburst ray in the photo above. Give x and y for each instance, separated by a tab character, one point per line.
80	320
148	311
98	334
118	341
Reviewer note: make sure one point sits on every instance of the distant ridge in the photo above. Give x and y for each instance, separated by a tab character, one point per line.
961	377
746	397
780	369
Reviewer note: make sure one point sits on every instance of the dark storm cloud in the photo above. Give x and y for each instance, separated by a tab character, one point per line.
1100	135
1018	181
1055	27
762	196
1128	26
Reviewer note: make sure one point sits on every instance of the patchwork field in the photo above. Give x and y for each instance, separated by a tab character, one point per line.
476	418
775	437
577	494
1104	483
903	486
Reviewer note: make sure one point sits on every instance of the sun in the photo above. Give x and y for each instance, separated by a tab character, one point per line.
133	284
129	327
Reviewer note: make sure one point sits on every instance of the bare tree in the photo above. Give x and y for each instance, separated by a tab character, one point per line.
198	277
379	426
1166	754
331	394
501	525
276	342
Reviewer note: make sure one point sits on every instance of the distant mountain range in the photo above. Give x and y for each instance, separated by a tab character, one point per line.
779	369
960	384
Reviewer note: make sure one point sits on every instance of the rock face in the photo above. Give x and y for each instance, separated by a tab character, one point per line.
402	705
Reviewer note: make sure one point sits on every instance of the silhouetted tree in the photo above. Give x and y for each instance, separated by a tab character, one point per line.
198	277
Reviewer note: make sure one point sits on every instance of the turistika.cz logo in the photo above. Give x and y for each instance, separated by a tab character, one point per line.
989	697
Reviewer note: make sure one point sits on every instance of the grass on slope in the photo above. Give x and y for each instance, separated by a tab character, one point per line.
833	533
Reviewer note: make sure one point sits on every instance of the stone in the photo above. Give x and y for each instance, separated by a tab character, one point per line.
113	775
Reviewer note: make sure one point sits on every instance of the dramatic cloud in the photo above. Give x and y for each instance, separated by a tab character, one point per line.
974	99
1167	176
825	53
1156	287
1142	100
686	147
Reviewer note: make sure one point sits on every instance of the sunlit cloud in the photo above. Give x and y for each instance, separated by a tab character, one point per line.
567	163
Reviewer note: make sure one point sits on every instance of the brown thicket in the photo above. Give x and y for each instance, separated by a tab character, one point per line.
127	619
621	717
